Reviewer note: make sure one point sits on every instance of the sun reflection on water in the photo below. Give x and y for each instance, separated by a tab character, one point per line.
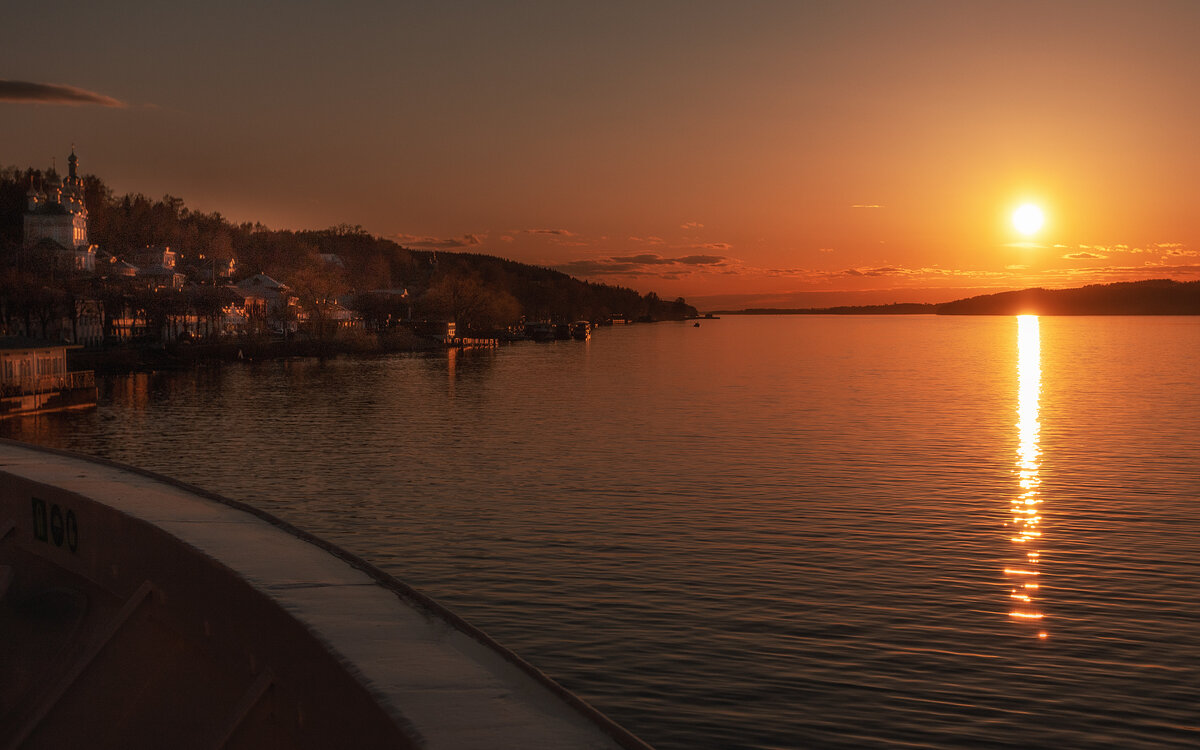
1026	516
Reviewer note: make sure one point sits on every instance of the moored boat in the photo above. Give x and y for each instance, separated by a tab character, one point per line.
540	331
34	378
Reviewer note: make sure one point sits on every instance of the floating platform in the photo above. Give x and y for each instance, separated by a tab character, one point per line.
34	378
136	611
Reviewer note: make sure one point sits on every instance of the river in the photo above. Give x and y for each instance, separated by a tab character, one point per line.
763	532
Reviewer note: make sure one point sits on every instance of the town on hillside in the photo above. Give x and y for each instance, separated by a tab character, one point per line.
81	266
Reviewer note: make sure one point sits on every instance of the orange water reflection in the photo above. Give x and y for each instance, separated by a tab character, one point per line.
1026	506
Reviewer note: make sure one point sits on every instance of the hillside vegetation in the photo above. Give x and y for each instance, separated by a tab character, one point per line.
478	291
1153	297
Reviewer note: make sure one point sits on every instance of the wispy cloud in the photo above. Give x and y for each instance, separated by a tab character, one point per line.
559	232
53	93
914	275
1084	255
646	259
439	243
881	271
643	264
867	205
691	225
1011	277
825	250
1155	248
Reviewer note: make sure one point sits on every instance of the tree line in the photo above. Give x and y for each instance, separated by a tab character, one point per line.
479	292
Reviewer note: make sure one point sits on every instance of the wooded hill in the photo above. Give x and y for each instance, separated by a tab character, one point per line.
480	291
1153	297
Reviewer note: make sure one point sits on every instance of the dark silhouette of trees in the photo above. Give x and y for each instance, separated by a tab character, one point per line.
478	291
470	303
317	291
1152	297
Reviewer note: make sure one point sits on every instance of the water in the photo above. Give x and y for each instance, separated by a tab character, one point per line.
764	532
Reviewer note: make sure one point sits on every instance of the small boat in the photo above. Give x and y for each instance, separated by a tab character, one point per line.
540	331
138	611
581	330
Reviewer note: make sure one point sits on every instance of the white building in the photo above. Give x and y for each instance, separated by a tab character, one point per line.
56	212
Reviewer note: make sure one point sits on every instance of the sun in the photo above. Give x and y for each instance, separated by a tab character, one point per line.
1028	219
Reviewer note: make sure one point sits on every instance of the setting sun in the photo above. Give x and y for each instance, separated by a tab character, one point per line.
1028	219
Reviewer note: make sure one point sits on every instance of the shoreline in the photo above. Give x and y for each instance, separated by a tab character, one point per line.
126	358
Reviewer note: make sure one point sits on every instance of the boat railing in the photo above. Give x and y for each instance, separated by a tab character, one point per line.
67	381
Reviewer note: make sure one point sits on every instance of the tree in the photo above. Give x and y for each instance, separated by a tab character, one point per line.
471	304
317	290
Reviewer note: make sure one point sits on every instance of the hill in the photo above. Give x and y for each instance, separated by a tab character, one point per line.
1152	297
478	291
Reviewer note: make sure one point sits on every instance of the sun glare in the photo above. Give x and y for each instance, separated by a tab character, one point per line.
1028	219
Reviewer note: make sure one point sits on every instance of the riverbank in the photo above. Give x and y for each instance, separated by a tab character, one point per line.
182	355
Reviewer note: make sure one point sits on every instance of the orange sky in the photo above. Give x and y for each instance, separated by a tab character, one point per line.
782	149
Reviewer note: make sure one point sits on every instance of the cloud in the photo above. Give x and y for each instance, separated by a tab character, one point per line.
559	232
439	243
1155	248
648	240
1012	277
825	250
644	264
691	225
53	93
701	260
883	271
716	246
646	259
1084	256
923	274
866	205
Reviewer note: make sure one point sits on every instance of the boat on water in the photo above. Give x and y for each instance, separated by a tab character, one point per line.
540	331
34	378
137	611
581	330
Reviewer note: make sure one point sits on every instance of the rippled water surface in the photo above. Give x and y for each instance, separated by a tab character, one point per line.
763	532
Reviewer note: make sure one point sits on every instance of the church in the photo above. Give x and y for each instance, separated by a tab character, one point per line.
56	214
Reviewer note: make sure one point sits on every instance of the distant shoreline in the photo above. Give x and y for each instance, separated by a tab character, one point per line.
1153	297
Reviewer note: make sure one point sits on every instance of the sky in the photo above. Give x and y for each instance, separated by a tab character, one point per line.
762	153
